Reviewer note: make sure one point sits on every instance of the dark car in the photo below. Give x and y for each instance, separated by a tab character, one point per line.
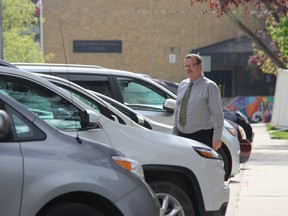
245	144
172	86
240	119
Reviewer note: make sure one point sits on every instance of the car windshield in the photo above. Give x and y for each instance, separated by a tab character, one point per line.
93	103
139	96
46	104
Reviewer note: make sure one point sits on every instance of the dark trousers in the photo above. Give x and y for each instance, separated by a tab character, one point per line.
204	136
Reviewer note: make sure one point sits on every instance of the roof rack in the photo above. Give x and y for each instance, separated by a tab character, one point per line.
6	64
58	65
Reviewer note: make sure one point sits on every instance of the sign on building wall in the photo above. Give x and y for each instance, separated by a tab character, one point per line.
99	46
206	63
172	58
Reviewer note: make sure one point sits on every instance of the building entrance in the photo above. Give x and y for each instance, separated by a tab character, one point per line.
224	81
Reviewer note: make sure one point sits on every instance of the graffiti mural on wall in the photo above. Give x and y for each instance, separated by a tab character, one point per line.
256	108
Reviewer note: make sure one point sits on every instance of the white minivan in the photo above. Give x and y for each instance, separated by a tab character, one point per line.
186	176
113	109
140	93
93	99
136	91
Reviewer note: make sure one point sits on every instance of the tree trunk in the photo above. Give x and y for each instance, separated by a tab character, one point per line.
258	42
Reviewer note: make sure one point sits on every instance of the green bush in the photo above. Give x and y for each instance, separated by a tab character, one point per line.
276	133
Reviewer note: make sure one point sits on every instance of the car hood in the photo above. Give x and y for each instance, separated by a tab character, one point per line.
147	145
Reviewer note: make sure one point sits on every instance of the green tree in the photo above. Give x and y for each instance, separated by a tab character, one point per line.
18	38
279	33
274	14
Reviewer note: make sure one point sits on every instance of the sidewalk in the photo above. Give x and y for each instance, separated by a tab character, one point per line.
261	188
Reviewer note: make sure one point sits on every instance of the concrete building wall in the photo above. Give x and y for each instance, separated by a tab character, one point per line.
150	30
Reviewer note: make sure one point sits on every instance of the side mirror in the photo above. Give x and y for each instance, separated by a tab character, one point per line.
140	120
92	119
170	105
114	118
5	124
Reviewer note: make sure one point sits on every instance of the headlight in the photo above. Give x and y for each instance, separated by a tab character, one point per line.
207	153
129	165
230	128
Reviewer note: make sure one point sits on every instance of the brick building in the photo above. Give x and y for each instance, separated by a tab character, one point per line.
149	37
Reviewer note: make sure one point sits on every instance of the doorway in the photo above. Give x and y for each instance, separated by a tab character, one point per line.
224	81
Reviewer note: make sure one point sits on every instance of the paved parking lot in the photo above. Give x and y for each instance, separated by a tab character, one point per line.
261	188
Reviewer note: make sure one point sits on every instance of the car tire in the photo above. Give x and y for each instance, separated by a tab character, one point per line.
179	202
226	163
70	209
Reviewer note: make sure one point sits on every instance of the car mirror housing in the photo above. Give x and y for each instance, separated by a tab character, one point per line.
5	124
170	104
91	119
140	120
114	118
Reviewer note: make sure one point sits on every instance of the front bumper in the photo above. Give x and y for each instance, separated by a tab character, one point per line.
246	148
220	212
141	202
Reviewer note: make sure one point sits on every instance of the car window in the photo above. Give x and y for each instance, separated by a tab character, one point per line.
131	115
96	106
92	103
46	104
22	129
98	83
128	113
140	96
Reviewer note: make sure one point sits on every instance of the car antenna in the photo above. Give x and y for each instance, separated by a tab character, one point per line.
78	139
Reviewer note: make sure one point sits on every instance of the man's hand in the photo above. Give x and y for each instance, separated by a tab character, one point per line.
216	144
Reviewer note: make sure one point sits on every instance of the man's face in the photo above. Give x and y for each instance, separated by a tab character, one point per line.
192	68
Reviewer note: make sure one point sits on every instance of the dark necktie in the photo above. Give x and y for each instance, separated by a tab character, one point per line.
184	103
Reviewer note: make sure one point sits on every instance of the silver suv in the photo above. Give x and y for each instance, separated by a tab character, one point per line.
45	172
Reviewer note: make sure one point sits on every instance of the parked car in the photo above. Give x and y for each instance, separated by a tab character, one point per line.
240	119
245	144
229	133
172	86
110	108
140	93
228	137
136	91
45	172
186	176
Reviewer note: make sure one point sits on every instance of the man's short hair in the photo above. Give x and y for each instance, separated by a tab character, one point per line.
196	56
